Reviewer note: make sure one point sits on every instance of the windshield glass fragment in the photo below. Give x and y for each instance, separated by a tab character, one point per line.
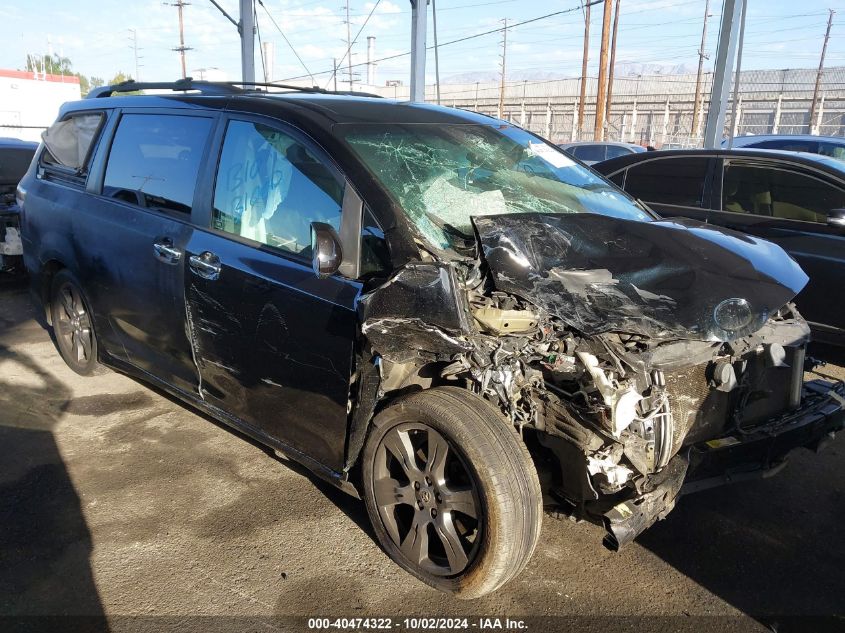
442	175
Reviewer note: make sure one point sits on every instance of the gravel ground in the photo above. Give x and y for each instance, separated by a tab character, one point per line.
117	501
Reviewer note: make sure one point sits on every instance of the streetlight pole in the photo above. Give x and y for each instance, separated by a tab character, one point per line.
419	14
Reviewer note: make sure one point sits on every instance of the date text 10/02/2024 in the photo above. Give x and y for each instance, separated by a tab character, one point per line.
418	623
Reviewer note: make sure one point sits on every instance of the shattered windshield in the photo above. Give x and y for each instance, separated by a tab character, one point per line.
442	175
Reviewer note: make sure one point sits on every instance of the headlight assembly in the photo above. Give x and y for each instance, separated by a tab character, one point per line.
733	315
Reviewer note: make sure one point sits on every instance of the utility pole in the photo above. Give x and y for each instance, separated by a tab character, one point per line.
246	27
246	31
348	45
696	106
504	59
134	48
610	71
736	107
419	15
584	70
821	70
419	19
436	54
334	73
180	4
601	97
715	127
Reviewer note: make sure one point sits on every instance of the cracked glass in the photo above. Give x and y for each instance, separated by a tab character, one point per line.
442	175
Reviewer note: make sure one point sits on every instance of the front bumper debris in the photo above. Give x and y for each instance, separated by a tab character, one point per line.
11	246
763	451
758	453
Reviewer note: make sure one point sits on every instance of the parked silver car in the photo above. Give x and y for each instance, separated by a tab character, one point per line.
825	145
591	152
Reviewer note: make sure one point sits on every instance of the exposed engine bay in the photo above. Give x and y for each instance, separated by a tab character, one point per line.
613	369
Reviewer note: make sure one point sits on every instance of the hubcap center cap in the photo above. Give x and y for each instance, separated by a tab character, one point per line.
425	496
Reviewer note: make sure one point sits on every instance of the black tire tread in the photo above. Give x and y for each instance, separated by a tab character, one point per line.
95	368
514	487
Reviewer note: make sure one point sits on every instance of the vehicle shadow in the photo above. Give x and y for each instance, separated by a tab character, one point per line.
45	543
827	353
766	547
349	505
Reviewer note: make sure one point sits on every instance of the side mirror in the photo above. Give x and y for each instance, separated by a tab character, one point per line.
836	218
326	253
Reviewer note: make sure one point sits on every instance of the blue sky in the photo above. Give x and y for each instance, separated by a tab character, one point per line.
95	35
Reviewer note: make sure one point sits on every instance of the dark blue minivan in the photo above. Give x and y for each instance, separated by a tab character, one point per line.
432	309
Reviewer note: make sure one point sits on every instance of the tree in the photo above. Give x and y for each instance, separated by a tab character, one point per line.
50	64
57	65
119	78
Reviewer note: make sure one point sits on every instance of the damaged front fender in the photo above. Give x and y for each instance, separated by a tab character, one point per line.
418	314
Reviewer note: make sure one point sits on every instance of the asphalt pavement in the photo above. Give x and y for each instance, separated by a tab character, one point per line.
130	511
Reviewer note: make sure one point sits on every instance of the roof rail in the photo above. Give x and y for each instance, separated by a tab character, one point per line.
212	88
188	83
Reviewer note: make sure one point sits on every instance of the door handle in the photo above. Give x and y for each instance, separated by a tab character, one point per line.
207	265
166	252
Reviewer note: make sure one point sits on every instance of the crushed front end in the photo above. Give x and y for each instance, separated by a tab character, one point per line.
639	360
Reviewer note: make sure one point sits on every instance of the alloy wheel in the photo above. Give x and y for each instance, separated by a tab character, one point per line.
427	499
73	324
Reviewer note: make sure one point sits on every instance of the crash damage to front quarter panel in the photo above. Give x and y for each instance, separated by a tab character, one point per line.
601	340
662	279
419	313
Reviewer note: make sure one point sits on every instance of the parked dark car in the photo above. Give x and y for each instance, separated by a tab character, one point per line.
15	157
429	308
792	199
833	146
590	152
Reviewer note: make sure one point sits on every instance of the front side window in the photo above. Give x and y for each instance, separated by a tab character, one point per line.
442	175
675	181
778	193
154	160
270	187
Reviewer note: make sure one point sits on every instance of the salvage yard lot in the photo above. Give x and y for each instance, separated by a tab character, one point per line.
116	500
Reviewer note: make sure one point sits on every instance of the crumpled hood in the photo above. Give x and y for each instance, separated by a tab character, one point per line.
661	279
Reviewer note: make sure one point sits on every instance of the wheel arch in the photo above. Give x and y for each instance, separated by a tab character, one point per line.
380	385
49	269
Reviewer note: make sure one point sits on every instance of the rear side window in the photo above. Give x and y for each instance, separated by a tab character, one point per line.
613	151
677	181
787	145
67	146
589	152
154	160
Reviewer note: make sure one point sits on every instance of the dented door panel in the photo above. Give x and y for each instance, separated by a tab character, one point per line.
274	344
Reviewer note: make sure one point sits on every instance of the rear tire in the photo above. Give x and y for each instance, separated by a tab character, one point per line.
73	325
451	491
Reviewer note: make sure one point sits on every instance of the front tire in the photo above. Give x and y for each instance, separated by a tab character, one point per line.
451	491
73	325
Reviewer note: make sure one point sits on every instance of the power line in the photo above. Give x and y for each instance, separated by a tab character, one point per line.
352	43
462	39
287	41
